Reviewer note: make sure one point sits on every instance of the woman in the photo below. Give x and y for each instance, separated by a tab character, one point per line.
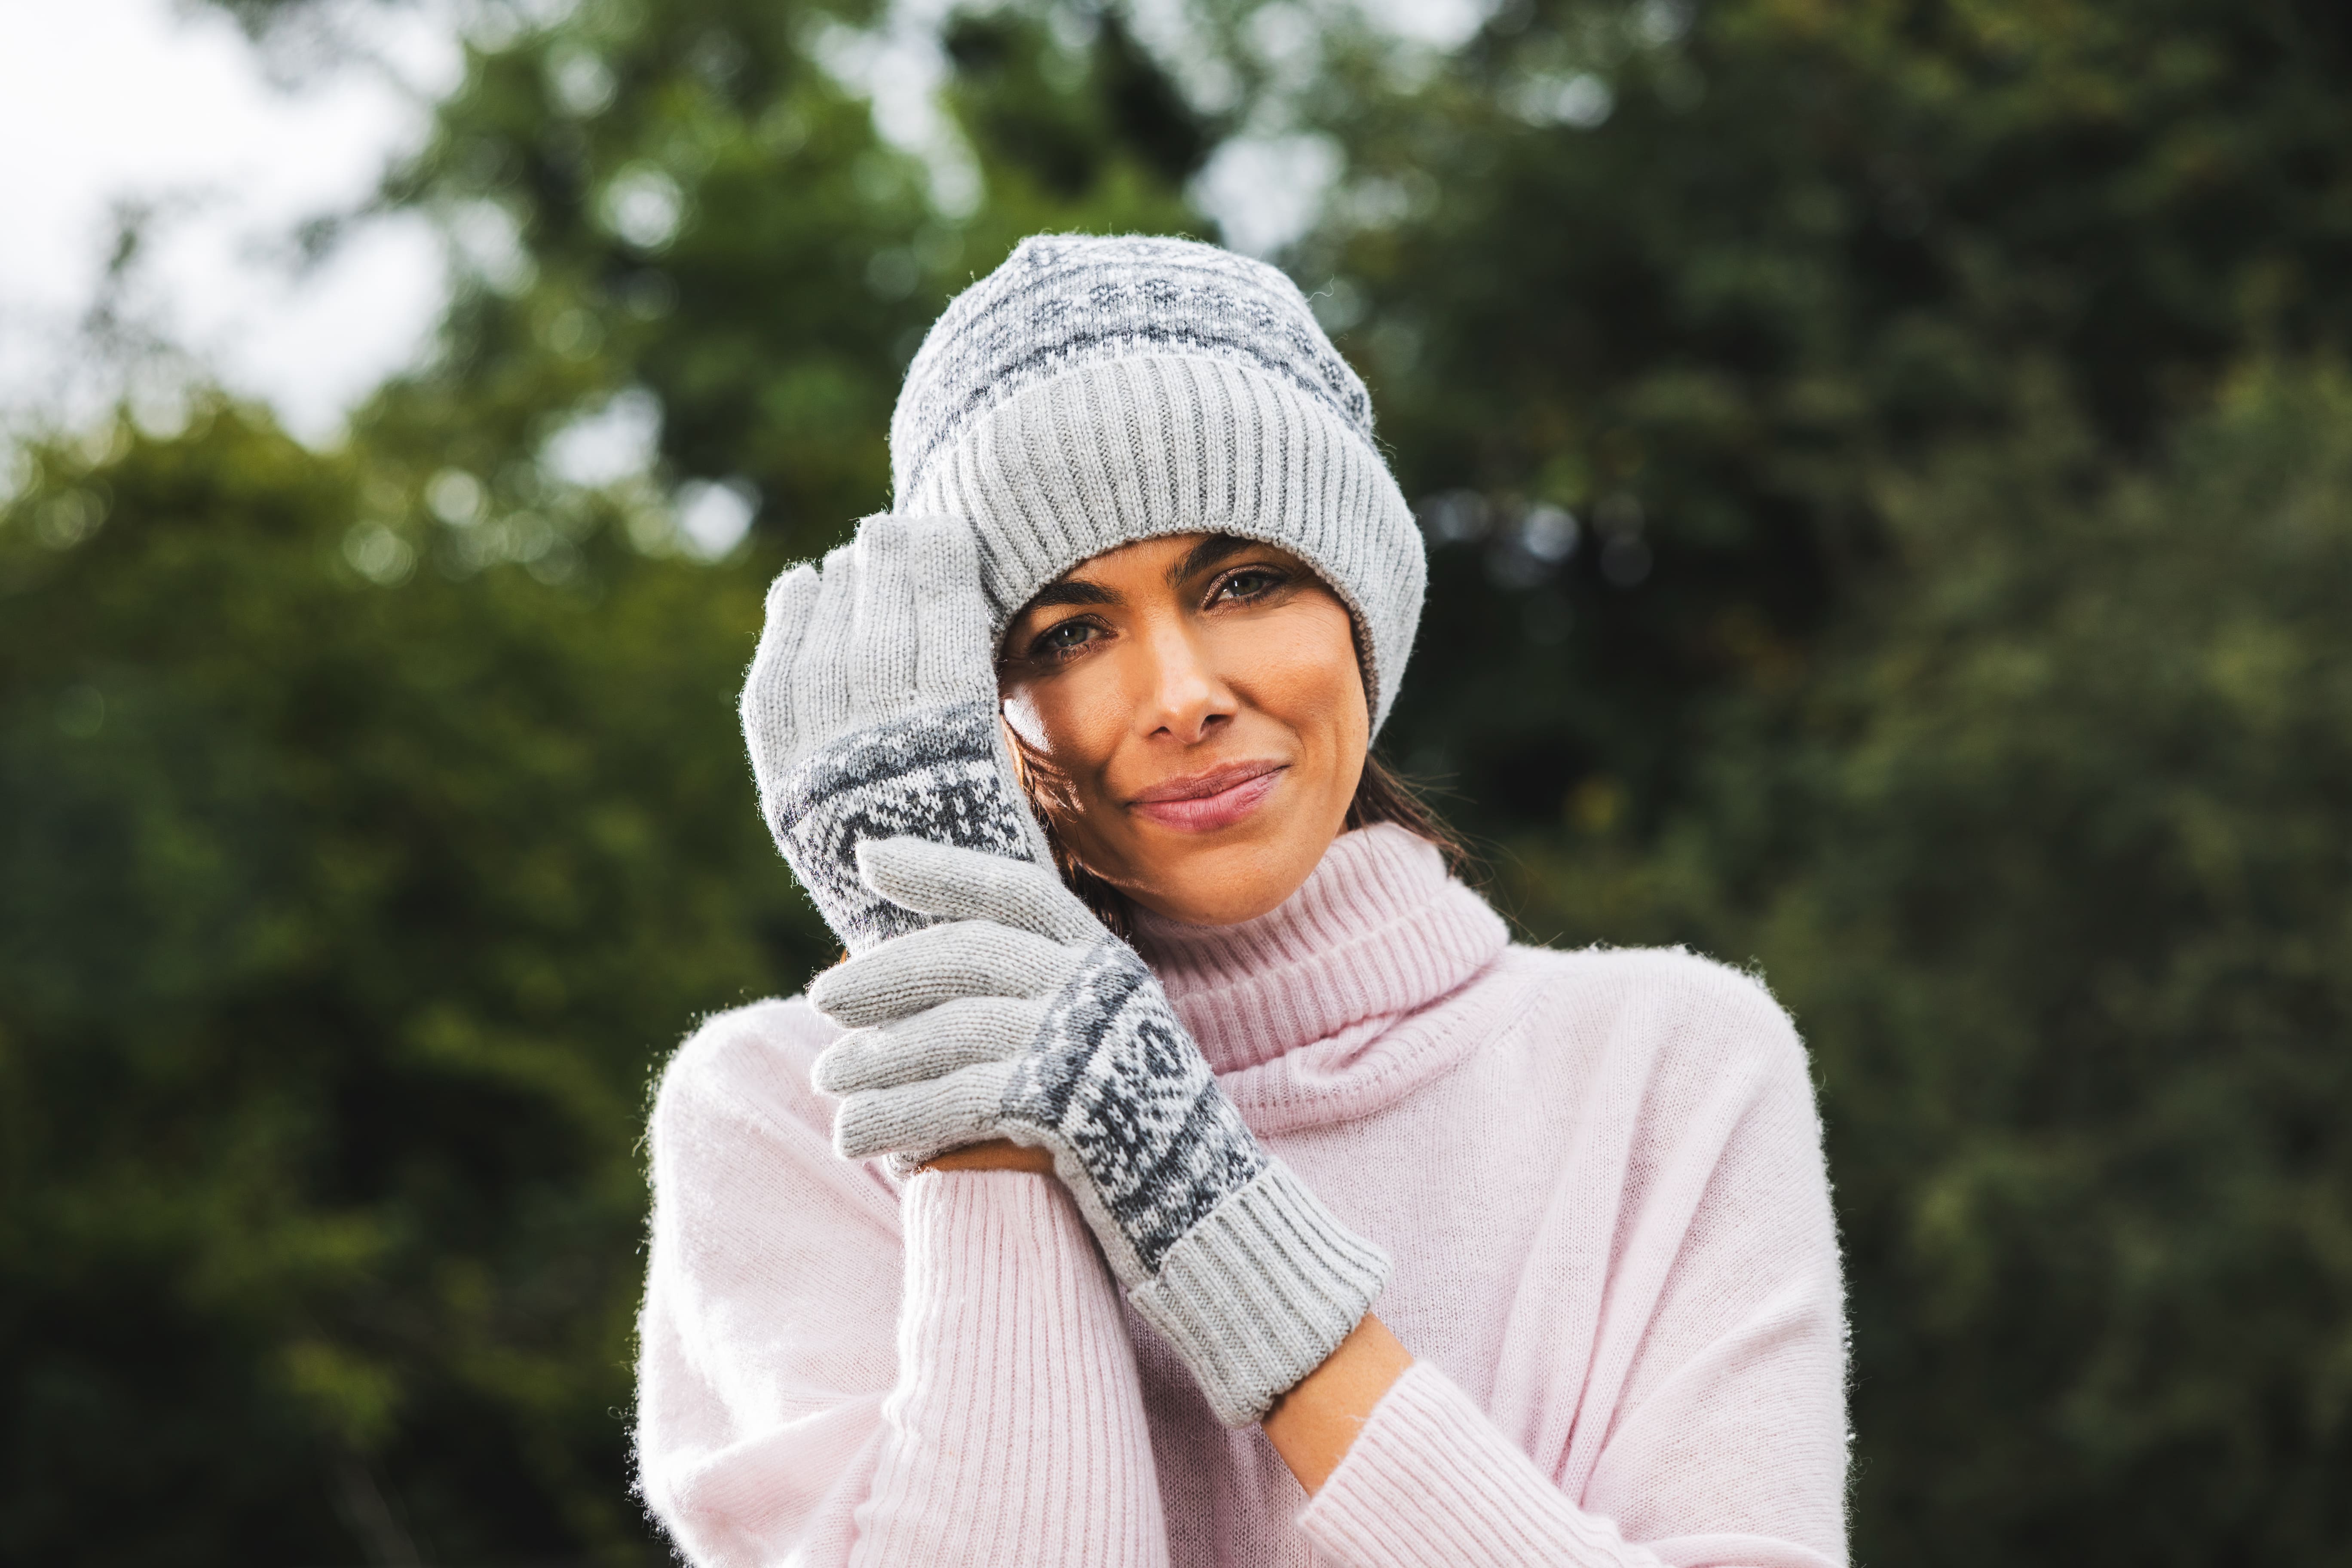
1239	1193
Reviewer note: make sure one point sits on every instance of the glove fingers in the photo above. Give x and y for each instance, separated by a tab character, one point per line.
938	1113
947	1039
957	884
953	659
912	974
766	705
819	679
884	631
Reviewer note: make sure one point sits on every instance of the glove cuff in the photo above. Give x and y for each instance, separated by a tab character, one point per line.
1260	1292
937	773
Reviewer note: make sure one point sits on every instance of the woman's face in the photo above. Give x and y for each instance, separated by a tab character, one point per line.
1196	713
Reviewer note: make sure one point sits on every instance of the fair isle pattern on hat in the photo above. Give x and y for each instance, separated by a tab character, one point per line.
1075	298
1093	392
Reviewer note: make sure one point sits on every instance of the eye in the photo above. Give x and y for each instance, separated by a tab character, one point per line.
1063	638
1247	583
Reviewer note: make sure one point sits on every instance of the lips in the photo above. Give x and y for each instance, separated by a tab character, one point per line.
1204	802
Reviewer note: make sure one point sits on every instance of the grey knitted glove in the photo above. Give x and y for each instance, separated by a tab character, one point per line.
870	712
1025	1019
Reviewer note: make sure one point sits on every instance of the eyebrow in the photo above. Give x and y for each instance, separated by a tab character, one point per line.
1205	554
1072	591
1200	558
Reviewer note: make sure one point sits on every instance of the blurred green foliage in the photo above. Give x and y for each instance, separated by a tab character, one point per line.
342	925
1807	246
684	199
2048	858
1891	510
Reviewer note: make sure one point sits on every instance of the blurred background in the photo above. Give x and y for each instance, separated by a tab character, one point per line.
1888	474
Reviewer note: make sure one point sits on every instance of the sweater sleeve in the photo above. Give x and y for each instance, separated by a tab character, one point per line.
1431	1481
833	1375
1708	1428
1016	1431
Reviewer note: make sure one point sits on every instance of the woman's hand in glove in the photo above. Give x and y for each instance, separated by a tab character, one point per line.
871	712
1024	1018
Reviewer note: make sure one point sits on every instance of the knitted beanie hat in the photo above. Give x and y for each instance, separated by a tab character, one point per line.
1093	392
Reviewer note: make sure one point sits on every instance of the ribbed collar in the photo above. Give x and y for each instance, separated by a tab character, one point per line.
1376	933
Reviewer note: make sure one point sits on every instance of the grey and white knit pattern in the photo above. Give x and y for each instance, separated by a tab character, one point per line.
1021	1018
870	713
1093	392
1060	301
1116	1077
934	774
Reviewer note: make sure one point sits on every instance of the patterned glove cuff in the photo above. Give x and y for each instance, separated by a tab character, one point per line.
940	773
1259	1292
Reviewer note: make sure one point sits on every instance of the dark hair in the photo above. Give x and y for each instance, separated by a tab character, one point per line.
1382	796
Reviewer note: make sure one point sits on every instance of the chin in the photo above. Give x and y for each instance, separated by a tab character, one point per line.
1223	884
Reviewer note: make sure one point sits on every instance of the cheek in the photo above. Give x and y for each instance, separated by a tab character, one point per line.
1073	720
1299	667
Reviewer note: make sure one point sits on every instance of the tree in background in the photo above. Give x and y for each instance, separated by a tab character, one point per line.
349	901
686	205
376	822
1888	508
2046	856
1705	276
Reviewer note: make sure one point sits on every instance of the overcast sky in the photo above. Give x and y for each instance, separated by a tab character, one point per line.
167	105
109	100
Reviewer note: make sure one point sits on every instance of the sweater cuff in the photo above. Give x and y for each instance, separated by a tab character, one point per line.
1017	1433
1262	1291
1429	1482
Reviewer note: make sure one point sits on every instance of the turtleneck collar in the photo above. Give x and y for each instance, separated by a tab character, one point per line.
1376	933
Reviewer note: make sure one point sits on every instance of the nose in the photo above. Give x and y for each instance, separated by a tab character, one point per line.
1183	698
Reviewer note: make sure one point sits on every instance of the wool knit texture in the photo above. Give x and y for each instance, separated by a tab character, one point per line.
1093	392
870	712
1239	1266
1599	1174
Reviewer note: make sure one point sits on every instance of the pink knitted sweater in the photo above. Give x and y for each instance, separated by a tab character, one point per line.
1599	1174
